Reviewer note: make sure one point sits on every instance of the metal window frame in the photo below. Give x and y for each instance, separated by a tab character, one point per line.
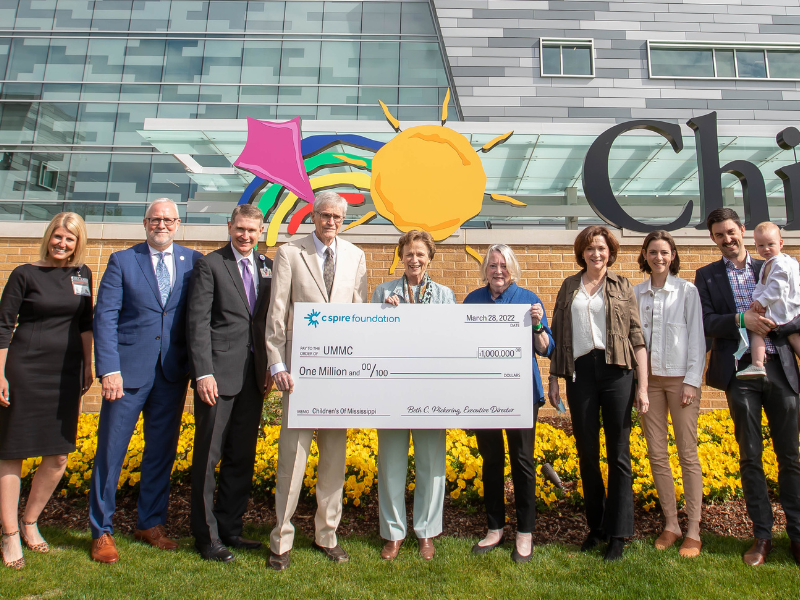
561	42
765	47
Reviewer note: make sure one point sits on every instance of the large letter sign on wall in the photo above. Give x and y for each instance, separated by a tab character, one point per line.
597	186
754	191
790	174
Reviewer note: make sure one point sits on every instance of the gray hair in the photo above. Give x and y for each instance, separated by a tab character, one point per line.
161	201
511	261
326	198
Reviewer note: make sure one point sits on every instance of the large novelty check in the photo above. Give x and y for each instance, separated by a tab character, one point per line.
411	366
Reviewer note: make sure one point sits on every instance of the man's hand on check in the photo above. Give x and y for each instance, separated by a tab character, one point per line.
283	381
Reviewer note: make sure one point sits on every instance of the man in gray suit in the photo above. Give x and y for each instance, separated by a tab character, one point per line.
318	268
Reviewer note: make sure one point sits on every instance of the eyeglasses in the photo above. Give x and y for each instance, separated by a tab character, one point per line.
330	217
157	220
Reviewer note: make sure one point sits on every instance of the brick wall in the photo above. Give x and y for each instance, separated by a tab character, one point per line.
543	268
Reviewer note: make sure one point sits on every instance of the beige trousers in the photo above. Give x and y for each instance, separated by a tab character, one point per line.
294	446
665	398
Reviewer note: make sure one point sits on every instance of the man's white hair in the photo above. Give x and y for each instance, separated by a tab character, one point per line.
327	198
161	201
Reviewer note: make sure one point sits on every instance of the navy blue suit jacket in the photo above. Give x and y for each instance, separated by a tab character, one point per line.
131	327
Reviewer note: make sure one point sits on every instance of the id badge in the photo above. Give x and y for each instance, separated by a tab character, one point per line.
266	272
80	286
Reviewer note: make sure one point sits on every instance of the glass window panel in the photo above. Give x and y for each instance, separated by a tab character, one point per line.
27	59
261	62
13	172
22	91
8	13
342	17
751	63
368	102
184	61
725	65
60	91
180	93
577	60
130	118
35	211
339	62
35	14
303	17
421	64
129	178
9	211
335	95
380	17
96	124
140	93
177	111
287	111
551	60
53	186
144	60
681	62
168	179
125	213
380	63
265	112
89	211
56	123
300	62
222	61
5	47
227	16
258	94
105	60
66	60
112	15
150	15
417	19
217	111
784	64
265	16
188	16
220	93
100	92
73	14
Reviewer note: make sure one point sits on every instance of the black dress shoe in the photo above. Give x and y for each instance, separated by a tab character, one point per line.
518	558
593	540
795	548
216	550
478	549
238	541
278	562
615	549
336	554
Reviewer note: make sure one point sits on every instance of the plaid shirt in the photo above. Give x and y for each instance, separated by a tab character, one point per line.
743	282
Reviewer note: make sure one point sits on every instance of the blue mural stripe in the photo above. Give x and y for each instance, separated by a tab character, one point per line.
317	143
251	190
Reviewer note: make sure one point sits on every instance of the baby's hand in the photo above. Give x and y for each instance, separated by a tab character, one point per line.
756	306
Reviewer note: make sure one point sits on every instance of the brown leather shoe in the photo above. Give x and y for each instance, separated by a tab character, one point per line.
390	549
336	554
278	562
156	537
426	549
757	554
795	548
104	550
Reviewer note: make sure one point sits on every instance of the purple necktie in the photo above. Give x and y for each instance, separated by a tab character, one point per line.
249	288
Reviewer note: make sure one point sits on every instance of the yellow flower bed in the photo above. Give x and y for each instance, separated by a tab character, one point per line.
719	457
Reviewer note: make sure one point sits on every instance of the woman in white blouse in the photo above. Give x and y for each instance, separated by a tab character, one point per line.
672	322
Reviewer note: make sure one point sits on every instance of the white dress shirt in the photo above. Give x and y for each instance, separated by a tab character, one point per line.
320	248
780	291
672	322
169	261
588	321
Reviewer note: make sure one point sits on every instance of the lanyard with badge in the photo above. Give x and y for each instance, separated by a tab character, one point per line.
80	285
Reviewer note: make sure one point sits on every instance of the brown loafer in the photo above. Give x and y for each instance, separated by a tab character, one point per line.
104	550
757	555
278	562
690	548
336	554
156	537
795	548
666	539
426	549
390	549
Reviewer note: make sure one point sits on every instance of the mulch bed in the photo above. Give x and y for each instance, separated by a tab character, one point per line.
562	523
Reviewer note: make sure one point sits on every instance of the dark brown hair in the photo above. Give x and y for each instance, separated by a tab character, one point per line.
718	215
247	211
659	234
416	236
585	238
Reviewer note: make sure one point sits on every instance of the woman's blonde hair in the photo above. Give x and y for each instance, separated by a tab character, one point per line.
73	223
511	262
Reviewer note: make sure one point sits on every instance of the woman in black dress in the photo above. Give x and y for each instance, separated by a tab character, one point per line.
45	368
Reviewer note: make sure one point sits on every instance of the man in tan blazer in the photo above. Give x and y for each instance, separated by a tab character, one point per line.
318	268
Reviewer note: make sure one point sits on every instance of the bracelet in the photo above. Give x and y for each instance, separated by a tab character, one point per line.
741	320
539	328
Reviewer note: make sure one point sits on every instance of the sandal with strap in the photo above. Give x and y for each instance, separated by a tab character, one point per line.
14	564
41	547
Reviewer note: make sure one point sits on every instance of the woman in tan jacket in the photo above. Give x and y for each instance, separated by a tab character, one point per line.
598	343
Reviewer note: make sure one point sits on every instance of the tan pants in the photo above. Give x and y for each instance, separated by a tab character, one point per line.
665	398
294	446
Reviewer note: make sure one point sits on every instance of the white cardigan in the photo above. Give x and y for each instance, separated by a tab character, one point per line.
672	323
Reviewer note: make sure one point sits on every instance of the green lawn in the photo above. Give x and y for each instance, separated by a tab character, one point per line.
557	571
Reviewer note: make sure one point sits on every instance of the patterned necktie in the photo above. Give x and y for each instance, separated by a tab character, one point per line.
328	270
162	275
247	280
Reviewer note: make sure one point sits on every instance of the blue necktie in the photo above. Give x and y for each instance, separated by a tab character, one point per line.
162	275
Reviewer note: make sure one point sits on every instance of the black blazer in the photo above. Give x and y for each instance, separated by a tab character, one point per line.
722	334
220	329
